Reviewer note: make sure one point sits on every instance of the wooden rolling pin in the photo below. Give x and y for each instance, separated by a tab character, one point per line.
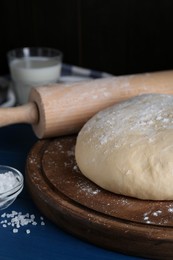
63	109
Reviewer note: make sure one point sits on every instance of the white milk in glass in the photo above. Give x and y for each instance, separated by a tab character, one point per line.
33	71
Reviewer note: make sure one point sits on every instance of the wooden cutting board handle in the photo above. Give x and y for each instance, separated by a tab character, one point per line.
63	109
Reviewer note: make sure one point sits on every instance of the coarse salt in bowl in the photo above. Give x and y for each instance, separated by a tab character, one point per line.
11	184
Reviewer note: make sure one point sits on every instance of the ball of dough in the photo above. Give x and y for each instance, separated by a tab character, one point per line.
128	148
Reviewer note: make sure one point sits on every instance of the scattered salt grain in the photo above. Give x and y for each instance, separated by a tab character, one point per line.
16	220
28	231
15	230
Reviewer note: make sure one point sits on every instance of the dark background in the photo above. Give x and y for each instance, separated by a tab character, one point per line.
115	36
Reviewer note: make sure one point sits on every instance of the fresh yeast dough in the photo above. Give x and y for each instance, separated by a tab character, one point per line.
128	148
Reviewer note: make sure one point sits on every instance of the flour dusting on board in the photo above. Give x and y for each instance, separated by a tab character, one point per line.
87	189
164	215
70	164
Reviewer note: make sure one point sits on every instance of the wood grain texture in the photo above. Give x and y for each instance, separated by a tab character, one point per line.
71	201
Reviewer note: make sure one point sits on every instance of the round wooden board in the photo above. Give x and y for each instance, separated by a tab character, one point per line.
74	203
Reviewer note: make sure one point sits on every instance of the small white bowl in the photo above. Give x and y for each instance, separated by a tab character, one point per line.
10	191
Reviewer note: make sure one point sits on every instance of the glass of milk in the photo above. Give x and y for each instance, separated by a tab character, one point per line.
32	67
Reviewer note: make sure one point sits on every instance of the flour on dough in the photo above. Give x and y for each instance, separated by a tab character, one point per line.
128	148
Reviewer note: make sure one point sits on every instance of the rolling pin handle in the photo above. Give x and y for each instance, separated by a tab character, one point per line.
27	113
